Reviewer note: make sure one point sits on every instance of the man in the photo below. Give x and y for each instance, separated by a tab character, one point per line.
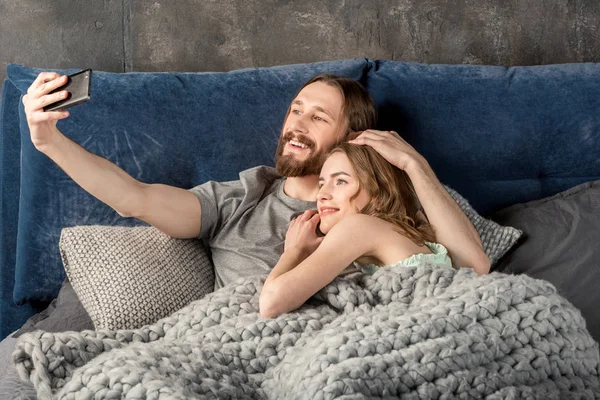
245	221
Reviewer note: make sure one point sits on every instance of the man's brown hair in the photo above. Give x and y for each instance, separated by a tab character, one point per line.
358	105
358	112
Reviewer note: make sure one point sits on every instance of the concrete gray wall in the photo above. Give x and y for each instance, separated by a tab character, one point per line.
221	35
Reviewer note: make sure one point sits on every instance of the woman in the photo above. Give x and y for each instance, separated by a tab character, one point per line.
369	214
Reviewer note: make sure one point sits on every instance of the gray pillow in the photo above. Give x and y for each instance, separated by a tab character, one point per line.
496	239
65	313
560	245
129	277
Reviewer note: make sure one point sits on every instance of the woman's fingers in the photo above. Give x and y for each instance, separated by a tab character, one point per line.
308	214
370	140
383	140
368	134
305	216
310	217
375	135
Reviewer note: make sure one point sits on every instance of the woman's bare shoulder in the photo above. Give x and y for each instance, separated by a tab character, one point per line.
356	233
362	226
360	221
373	229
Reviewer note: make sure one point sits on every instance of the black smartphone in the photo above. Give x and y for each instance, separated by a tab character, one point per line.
78	85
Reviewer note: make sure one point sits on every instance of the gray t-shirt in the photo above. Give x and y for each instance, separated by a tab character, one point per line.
245	222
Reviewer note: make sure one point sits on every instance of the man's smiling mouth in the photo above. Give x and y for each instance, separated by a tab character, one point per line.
295	143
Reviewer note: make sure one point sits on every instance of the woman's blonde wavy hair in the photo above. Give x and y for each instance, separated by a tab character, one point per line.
392	195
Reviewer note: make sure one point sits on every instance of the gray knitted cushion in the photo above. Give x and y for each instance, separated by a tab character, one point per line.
129	277
495	238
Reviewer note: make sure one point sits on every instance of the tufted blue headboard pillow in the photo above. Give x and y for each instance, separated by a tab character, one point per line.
498	136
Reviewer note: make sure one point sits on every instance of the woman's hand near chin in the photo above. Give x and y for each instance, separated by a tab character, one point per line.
302	235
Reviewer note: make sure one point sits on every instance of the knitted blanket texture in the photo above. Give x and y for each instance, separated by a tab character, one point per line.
405	332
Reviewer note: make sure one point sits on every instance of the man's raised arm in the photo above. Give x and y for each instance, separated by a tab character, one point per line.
174	211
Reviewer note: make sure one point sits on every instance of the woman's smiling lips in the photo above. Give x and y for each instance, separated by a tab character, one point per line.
327	210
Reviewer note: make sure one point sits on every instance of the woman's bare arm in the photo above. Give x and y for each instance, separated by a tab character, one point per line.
298	275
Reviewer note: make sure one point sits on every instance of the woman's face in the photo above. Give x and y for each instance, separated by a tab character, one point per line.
338	183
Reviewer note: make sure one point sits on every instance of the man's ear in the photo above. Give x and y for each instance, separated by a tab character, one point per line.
352	135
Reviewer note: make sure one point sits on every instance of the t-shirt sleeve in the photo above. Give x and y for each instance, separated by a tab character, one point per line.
218	202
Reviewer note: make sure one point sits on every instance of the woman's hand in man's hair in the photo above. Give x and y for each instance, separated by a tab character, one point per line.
391	146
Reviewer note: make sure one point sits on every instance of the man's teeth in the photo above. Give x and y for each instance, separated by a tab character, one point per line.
298	144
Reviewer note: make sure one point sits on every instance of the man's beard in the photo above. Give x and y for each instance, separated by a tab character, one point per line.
288	165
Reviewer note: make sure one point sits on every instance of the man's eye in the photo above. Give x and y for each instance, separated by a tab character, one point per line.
320	118
296	111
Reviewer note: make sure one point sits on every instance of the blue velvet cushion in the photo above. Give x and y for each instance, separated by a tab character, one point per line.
180	129
11	315
499	136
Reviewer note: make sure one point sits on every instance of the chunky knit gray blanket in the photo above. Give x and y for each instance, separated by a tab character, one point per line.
416	333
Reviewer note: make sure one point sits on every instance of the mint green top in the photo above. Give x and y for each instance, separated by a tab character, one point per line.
439	256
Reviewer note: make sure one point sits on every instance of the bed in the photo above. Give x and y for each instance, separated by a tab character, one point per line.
516	147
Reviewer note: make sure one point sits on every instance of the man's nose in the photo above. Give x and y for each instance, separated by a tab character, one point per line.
299	124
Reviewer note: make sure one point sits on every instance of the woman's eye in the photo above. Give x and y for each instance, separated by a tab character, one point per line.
296	111
341	182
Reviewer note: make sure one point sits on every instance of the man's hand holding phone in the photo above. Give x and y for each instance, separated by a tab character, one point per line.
42	125
47	97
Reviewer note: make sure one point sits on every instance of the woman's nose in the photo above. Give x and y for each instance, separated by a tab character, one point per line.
324	193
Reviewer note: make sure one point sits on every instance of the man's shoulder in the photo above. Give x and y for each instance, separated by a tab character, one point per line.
262	174
250	180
